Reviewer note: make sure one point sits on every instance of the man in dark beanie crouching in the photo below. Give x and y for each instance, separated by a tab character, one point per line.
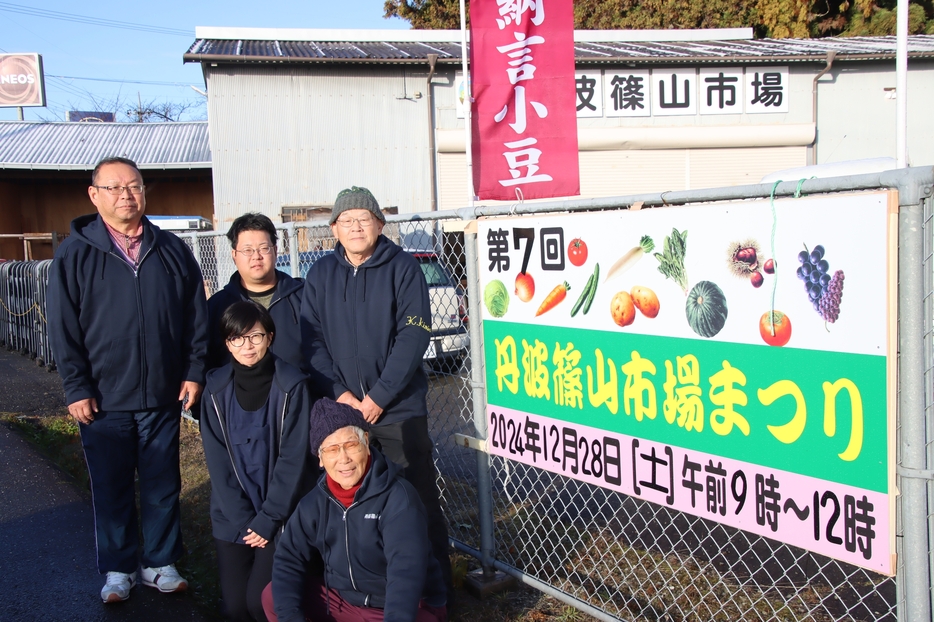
368	525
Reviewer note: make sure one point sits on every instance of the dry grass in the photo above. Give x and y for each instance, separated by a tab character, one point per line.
56	437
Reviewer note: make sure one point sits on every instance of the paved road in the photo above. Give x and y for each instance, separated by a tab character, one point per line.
47	556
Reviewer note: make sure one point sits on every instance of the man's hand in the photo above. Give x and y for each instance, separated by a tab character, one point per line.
190	392
83	410
254	539
371	411
350	399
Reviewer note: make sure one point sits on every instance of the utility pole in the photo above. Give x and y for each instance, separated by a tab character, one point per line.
901	84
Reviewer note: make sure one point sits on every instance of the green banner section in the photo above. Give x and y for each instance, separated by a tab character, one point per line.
820	414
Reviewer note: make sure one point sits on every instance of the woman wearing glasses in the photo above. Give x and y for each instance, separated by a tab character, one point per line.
254	426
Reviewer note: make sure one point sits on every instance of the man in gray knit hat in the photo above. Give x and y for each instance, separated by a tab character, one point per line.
366	323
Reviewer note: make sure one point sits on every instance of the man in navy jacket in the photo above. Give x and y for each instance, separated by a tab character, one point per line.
366	323
253	248
127	323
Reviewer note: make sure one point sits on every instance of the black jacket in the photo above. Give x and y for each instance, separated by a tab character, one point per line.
366	329
285	309
376	552
127	338
292	472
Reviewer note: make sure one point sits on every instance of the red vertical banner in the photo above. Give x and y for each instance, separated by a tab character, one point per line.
524	120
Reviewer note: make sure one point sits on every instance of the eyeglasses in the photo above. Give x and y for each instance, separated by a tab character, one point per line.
262	250
240	340
347	222
332	451
118	190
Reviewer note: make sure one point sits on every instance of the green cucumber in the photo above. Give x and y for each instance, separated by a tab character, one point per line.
583	297
593	290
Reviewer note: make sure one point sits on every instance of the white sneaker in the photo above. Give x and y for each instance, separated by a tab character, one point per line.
165	579
118	586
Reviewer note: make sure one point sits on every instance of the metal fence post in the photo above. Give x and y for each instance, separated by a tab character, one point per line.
478	394
195	247
913	578
293	251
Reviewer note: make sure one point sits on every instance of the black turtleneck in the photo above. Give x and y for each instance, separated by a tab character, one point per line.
252	384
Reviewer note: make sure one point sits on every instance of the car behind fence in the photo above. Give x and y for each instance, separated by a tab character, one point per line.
616	556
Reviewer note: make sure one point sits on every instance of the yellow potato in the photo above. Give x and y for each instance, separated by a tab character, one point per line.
645	300
622	310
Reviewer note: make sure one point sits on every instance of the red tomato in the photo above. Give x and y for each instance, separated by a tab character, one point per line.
577	252
782	328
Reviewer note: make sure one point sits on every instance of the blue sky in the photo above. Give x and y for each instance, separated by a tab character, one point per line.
119	59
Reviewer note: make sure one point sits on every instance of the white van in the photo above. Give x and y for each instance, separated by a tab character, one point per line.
181	223
449	338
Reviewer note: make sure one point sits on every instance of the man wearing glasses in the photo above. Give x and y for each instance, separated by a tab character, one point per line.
128	327
253	249
366	323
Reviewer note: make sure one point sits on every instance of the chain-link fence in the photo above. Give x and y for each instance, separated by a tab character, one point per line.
611	555
618	557
927	274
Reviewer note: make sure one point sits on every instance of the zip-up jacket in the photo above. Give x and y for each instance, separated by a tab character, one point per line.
127	337
376	552
290	473
285	309
366	329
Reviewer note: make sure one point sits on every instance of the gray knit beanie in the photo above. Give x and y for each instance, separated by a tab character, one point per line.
356	198
327	417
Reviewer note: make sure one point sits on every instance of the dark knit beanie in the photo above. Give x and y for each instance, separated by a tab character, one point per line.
356	198
327	417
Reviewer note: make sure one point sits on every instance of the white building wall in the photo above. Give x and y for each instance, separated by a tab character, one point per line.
619	173
287	135
856	112
297	135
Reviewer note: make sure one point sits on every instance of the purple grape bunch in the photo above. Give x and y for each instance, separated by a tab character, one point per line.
823	289
830	301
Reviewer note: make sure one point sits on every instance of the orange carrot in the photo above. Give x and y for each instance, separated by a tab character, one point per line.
555	296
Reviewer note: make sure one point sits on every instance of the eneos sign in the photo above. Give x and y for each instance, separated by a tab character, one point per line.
21	80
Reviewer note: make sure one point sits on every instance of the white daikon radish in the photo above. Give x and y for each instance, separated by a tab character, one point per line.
646	245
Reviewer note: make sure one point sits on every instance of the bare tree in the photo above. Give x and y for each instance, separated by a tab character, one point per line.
152	111
155	111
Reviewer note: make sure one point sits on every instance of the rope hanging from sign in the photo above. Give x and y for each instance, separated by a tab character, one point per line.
772	250
520	198
797	195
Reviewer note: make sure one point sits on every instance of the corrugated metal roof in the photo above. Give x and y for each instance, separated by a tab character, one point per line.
80	146
303	51
755	51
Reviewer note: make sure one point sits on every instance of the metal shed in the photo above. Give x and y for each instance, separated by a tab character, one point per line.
45	171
